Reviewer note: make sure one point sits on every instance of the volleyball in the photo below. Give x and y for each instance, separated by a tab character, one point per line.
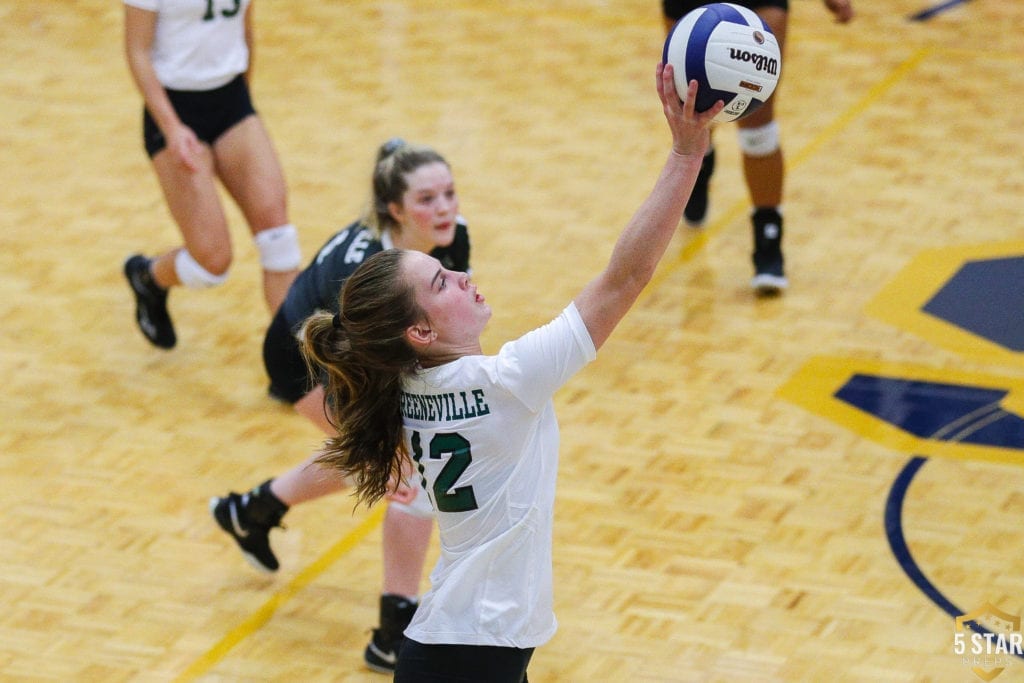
730	52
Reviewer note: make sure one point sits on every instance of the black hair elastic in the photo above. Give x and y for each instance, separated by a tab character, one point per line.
337	321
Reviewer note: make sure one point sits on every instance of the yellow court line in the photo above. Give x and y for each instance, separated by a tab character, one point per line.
870	97
262	615
693	247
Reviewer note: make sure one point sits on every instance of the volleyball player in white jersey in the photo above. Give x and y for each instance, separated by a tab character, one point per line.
409	386
413	205
192	62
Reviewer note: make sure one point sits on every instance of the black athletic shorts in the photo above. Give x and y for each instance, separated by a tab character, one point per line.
289	378
675	9
419	663
210	113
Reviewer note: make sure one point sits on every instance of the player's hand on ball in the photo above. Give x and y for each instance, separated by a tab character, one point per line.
690	129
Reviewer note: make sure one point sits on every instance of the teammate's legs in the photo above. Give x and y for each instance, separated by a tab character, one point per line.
250	170
307	481
194	204
204	259
406	538
311	406
764	172
249	517
696	208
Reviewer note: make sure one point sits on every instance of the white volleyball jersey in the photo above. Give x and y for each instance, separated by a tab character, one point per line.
199	44
483	434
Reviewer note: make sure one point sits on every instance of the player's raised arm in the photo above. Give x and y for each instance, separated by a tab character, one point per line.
605	300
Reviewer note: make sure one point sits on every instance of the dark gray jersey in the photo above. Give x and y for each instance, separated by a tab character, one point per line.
317	287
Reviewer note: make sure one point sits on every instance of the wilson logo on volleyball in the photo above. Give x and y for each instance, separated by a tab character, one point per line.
764	63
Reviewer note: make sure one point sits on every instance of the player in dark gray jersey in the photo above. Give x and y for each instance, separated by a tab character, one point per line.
415	207
316	289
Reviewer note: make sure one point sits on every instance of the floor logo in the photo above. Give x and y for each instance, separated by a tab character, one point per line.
986	639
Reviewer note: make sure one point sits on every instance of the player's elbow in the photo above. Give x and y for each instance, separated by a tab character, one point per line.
627	284
632	280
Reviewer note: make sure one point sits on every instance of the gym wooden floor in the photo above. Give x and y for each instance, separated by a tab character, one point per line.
718	520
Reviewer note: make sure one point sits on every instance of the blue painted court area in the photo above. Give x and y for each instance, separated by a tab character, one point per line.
930	12
937	411
933	410
986	298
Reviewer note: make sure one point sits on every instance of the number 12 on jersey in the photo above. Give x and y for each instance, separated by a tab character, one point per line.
447	497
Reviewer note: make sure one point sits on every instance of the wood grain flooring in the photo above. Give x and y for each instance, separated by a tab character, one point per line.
708	528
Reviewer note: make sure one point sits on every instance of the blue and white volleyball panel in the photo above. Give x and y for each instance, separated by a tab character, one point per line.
730	52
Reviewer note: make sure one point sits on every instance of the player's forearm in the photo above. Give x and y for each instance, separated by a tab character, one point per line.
153	92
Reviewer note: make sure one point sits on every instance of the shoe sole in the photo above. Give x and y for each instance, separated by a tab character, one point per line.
766	284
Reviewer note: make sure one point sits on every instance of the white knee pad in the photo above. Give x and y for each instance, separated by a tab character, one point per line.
194	275
760	141
279	248
420	505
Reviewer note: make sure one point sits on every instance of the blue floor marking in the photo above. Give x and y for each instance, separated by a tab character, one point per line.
982	298
926	14
898	543
938	411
